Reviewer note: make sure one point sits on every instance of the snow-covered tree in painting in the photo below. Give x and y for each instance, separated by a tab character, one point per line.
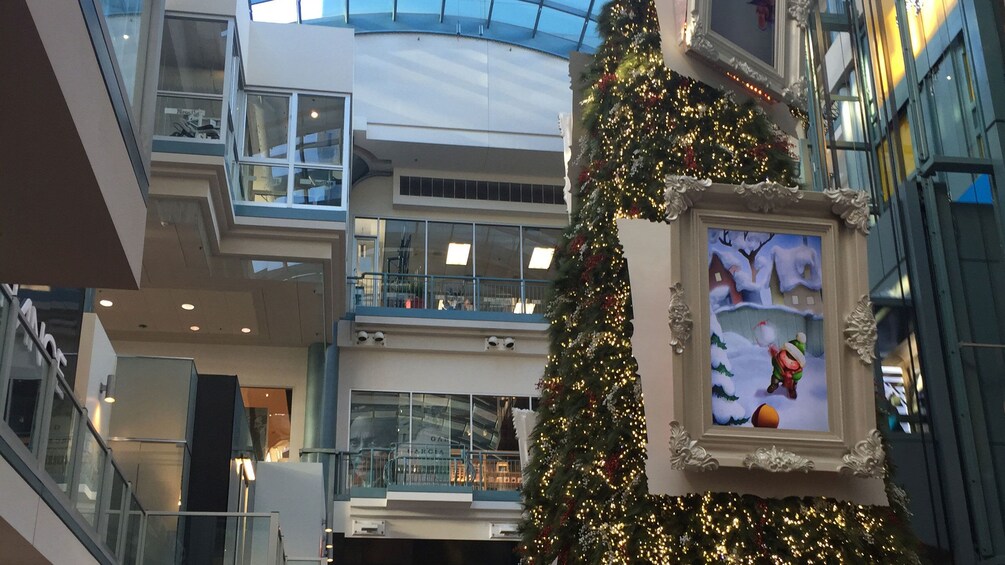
726	411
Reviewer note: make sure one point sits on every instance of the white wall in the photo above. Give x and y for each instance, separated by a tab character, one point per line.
437	360
293	56
297	492
95	361
281	367
33	520
459	91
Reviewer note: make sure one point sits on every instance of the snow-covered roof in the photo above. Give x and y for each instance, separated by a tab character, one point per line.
797	266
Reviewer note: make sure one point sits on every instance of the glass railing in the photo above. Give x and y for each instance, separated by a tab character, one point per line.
433	292
49	432
415	465
155	467
233	538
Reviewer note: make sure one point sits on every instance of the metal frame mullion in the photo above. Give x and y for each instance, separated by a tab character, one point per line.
104	497
537	19
586	25
73	484
291	136
43	416
120	540
8	327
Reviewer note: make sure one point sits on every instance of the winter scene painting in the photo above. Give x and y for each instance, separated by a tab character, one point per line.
766	330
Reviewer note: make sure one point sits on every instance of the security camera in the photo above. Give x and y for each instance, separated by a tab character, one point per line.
492	341
378	337
362	336
509	343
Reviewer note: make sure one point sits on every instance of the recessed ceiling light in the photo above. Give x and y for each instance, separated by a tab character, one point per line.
457	253
105	302
188	306
194	328
541	258
315	114
246	330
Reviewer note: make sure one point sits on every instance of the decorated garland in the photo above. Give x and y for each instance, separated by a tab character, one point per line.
586	495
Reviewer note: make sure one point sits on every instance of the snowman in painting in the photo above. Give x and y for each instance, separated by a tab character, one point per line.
787	361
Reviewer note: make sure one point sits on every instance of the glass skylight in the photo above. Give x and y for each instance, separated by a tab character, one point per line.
555	27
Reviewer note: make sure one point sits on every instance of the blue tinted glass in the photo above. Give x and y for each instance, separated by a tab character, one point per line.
418	7
560	24
514	12
371	7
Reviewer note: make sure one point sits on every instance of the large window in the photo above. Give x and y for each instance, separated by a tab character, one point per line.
294	150
382	420
192	76
452	265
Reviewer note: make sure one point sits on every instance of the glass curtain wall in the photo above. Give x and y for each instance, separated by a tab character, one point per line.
386	420
295	148
190	89
452	266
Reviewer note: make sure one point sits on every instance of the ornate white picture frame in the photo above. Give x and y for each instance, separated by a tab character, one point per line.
757	41
689	447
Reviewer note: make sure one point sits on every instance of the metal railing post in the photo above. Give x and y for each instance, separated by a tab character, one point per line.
73	484
8	328
120	540
274	538
105	495
41	431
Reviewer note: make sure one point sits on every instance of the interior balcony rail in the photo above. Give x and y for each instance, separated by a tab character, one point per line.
446	293
224	538
416	465
48	438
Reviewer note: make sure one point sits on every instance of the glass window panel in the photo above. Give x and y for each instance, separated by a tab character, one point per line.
560	24
371	6
419	7
320	129
115	509
366	226
321	187
29	369
492	418
441	421
447	245
266	128
125	20
497	251
62	429
403	246
182	116
269	411
133	532
378	419
193	56
264	183
514	12
92	466
539	245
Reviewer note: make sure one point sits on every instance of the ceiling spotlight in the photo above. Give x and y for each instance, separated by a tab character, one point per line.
315	114
362	336
509	343
246	330
188	306
194	328
329	530
105	302
492	341
378	337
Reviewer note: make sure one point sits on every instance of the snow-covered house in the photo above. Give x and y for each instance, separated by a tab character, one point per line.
719	275
795	278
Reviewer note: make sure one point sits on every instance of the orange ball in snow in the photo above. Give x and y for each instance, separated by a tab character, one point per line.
765	417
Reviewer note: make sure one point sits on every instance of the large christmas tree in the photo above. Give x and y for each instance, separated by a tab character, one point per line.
586	494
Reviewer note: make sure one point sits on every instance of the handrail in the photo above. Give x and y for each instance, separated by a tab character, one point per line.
55	386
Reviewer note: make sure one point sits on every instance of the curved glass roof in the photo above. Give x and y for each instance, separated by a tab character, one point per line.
552	26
